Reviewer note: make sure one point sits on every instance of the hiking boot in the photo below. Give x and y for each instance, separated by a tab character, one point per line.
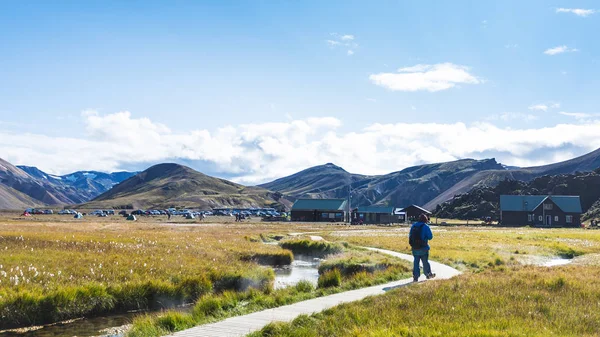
415	279
430	276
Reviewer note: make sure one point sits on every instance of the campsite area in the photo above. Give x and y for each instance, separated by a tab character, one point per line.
180	273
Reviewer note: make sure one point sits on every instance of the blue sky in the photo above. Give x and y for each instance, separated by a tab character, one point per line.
190	68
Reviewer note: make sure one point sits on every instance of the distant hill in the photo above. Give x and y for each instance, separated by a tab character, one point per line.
484	201
319	181
81	186
167	185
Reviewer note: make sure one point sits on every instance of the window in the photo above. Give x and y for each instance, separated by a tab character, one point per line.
530	217
324	215
548	207
556	218
569	219
540	218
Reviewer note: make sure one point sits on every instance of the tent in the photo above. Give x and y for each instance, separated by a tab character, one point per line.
78	216
190	216
131	217
25	214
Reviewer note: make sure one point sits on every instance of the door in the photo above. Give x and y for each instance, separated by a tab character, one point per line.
549	220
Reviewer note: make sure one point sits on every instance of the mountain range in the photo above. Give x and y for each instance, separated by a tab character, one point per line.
24	186
166	185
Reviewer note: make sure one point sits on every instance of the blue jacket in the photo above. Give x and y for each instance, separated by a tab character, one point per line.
426	235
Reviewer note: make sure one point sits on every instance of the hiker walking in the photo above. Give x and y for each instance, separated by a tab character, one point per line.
420	234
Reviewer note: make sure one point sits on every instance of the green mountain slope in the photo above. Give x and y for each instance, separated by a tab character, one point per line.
167	185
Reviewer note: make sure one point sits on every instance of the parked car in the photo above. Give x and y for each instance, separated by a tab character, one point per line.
122	212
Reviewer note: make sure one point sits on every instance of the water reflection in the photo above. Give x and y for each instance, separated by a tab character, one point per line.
304	267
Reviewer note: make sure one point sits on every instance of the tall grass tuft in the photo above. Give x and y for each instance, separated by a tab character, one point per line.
330	278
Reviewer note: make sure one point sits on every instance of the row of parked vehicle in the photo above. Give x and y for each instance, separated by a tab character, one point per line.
172	211
38	211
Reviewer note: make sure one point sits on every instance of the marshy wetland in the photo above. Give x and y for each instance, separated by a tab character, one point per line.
54	270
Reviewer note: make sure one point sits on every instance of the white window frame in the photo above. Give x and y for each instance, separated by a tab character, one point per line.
556	218
540	218
530	217
548	207
569	219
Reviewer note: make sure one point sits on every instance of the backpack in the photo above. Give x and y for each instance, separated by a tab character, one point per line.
414	239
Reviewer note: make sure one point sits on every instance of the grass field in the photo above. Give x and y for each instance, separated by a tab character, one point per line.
54	268
478	248
501	293
524	301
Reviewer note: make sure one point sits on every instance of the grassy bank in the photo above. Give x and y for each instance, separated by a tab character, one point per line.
522	301
313	248
335	278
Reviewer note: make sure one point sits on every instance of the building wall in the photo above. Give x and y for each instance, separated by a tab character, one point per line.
375	218
538	218
318	216
412	213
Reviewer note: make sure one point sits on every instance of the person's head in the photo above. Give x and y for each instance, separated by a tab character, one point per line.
423	218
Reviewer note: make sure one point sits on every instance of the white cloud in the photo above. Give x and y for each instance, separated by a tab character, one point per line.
428	77
560	50
544	106
512	116
255	153
343	41
539	107
580	115
577	11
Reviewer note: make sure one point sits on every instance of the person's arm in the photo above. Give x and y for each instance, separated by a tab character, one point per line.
427	234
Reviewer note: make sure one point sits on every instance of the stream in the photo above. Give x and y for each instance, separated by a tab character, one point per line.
303	268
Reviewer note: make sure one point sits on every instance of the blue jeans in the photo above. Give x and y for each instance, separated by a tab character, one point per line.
424	258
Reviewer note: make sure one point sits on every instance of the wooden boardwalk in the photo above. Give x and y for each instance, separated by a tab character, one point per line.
243	325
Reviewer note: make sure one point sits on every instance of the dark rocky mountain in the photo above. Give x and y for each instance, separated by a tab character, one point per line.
81	186
172	185
585	163
414	185
484	201
427	185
